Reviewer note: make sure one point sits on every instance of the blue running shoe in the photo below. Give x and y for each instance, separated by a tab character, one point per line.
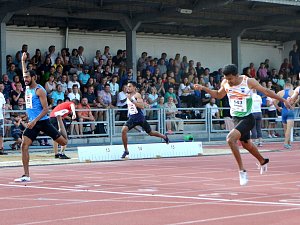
124	155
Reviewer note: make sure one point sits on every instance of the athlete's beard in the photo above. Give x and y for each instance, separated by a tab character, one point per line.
29	84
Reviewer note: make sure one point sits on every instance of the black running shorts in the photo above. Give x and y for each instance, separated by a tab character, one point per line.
130	123
244	125
44	126
54	122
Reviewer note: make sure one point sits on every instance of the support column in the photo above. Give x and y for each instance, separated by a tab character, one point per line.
4	19
67	37
236	49
130	29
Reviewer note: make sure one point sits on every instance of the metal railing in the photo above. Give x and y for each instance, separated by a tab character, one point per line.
197	121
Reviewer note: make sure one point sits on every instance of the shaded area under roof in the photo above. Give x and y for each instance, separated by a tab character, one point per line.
262	20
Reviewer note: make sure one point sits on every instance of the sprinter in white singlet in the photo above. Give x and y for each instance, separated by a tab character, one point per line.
239	91
136	117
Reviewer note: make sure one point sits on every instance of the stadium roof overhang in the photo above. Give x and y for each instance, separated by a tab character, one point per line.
276	20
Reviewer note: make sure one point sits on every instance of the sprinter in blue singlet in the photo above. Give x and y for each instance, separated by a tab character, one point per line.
37	110
287	115
135	105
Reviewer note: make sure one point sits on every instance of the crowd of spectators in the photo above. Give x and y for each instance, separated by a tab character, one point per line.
101	84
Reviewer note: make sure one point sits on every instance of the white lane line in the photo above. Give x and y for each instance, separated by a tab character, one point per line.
156	195
234	216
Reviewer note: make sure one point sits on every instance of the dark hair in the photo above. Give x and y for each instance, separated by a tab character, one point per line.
133	83
67	98
230	69
31	72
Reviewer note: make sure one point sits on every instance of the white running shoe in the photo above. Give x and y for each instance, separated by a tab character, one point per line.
264	167
61	112
24	178
243	177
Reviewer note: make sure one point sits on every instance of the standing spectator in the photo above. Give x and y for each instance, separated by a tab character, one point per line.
142	62
114	89
256	133
36	60
285	67
52	54
82	58
272	117
117	60
121	103
252	70
262	73
199	69
162	66
2	105
106	54
19	55
294	58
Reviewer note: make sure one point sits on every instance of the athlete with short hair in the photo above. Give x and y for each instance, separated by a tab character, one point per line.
135	105
63	110
37	109
239	91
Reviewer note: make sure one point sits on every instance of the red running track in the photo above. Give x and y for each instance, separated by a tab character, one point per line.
196	190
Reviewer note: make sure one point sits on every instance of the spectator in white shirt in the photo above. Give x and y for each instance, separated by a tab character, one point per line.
256	132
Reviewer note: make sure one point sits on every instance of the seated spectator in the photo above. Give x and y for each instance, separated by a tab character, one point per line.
7	86
64	84
97	58
286	67
84	76
280	81
16	132
75	94
16	80
74	80
16	94
50	85
45	70
36	60
56	95
252	70
105	100
85	115
74	62
160	87
19	106
171	111
185	93
214	110
170	93
11	72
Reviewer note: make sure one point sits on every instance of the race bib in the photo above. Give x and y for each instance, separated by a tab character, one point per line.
238	105
28	99
131	108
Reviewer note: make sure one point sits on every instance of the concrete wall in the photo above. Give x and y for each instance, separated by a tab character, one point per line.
212	53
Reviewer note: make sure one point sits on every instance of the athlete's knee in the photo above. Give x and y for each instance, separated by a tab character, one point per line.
124	130
231	139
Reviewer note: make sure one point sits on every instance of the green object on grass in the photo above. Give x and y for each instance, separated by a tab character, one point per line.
188	138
